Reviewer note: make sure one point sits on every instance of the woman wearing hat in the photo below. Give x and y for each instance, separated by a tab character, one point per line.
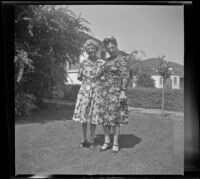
85	110
113	109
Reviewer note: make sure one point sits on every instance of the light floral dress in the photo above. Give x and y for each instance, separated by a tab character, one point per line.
85	109
110	110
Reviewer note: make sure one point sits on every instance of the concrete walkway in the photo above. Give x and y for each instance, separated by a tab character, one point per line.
134	109
156	111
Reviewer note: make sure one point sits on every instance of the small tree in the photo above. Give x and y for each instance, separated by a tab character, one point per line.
163	69
134	59
145	80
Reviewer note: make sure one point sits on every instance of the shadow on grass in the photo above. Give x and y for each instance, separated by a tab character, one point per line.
43	116
125	140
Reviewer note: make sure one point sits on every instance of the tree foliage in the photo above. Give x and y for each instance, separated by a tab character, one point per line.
163	69
145	80
135	63
46	36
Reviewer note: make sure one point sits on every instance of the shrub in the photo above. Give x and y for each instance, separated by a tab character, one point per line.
24	104
152	98
71	92
145	80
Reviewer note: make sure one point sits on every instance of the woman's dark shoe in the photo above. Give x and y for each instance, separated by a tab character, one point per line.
107	146
115	149
84	144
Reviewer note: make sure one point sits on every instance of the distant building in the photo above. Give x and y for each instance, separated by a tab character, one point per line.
176	80
72	77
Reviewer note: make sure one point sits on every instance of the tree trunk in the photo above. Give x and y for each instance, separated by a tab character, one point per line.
21	71
163	99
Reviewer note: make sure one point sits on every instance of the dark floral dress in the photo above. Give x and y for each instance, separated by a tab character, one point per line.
110	110
85	109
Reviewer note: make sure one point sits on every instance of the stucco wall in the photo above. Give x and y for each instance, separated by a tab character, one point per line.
174	86
157	81
177	85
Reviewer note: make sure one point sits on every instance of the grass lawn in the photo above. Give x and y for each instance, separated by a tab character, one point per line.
47	143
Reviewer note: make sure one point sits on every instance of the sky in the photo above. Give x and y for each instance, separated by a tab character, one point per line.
158	30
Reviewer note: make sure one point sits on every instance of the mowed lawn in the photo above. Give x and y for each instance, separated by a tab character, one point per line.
47	143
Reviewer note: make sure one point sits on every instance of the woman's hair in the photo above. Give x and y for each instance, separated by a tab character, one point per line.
108	40
91	42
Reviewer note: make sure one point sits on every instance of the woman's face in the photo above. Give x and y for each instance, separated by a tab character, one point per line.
112	49
91	51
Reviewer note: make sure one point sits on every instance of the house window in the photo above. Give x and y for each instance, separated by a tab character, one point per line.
175	81
160	81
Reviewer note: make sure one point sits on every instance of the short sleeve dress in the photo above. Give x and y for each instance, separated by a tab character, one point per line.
110	110
85	108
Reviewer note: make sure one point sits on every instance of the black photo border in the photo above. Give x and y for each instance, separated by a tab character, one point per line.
191	113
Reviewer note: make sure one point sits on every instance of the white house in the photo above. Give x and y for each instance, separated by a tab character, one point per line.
72	77
176	80
158	80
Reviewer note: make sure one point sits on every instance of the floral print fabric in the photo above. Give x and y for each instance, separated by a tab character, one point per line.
85	109
110	110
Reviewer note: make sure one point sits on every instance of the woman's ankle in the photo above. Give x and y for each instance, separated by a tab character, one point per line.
107	141
115	143
84	140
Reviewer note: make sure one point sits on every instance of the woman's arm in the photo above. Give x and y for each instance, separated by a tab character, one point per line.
101	68
124	73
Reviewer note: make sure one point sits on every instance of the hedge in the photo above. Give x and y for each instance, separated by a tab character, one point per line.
142	97
152	98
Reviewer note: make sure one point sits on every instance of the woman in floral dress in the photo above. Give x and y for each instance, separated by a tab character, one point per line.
113	108
85	110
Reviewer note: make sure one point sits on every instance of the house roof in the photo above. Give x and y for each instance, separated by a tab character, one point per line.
89	36
151	63
174	73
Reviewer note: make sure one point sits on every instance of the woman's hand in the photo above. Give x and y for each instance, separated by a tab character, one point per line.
80	77
122	96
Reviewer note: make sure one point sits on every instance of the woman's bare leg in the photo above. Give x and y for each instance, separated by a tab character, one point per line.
106	129
84	132
92	132
116	132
